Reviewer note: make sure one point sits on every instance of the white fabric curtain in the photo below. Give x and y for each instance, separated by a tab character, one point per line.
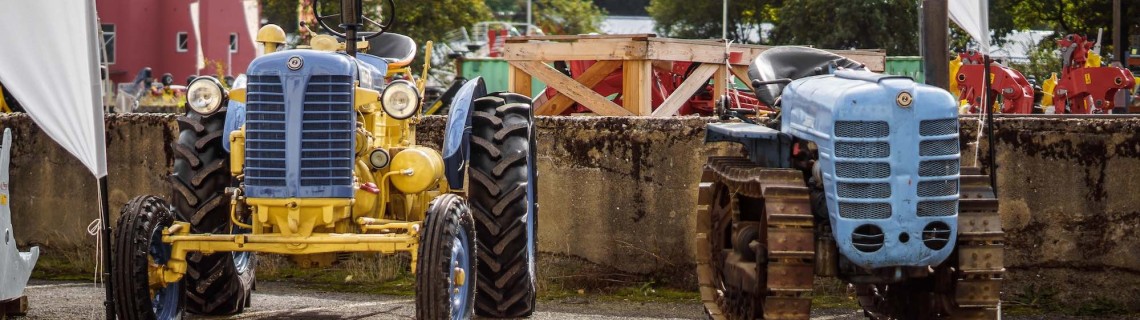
194	17
50	63
973	16
252	20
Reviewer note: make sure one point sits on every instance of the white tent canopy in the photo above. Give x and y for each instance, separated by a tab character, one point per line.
50	64
973	16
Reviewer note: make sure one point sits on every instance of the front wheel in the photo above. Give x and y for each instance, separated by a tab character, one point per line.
138	248
445	286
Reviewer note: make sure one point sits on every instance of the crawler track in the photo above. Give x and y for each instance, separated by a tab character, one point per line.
980	249
968	284
755	241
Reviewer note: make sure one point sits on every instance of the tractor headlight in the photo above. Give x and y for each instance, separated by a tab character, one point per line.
205	95
400	99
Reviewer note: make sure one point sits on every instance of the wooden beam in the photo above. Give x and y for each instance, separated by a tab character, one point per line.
694	82
581	37
741	73
580	50
519	81
580	93
637	86
720	81
590	78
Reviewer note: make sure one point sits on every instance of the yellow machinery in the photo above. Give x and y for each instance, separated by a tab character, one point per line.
313	153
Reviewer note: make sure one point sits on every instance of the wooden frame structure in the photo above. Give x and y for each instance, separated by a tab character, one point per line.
635	55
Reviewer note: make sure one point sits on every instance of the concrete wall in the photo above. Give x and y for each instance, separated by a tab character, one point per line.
620	192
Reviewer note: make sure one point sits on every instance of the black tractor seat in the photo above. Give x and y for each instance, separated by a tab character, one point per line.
792	62
396	49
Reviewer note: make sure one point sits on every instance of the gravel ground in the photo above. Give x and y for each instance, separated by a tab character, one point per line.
277	300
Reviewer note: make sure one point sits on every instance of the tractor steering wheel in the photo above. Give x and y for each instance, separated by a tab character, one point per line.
383	27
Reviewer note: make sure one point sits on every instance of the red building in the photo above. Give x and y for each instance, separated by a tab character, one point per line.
160	34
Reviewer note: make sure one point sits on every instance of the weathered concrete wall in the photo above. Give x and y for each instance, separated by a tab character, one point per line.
54	197
1070	207
620	191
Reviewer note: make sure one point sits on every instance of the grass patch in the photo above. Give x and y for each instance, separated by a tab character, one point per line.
75	264
358	273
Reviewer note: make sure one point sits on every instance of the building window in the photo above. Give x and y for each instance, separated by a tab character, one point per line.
233	42
183	42
109	43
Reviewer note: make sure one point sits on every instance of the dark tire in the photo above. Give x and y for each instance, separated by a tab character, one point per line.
219	283
137	242
447	244
500	181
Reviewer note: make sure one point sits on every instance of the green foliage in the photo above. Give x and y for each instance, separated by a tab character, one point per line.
421	20
702	19
1044	60
1068	16
567	16
887	24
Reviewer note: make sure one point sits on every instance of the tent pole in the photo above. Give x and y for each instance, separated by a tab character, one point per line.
105	217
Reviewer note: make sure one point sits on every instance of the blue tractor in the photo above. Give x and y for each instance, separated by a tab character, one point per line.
857	176
313	155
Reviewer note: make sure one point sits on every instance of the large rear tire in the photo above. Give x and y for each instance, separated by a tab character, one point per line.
219	283
137	244
444	287
501	182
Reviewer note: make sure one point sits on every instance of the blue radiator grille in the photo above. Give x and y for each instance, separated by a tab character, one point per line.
265	132
303	145
327	126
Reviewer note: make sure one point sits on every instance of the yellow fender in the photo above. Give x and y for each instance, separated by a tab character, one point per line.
1047	90
954	66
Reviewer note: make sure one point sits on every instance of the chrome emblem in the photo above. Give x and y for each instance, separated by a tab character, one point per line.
904	99
295	62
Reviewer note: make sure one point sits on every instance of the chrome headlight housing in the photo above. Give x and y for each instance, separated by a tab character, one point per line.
400	99
205	95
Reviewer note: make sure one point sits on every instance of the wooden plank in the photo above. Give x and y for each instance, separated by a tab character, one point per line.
696	80
552	51
581	37
676	51
637	86
741	73
580	93
519	81
720	81
14	307
590	78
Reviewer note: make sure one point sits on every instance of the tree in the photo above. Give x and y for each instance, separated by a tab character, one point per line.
1069	16
886	24
552	16
567	16
702	19
421	20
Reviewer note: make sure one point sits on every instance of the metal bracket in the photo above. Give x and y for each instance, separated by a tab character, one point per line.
765	146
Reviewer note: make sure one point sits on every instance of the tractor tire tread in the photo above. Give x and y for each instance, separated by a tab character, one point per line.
498	175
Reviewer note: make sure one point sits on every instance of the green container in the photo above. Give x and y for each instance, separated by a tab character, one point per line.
496	74
910	66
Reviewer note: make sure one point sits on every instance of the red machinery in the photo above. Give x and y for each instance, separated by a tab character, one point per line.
665	81
1079	82
1015	90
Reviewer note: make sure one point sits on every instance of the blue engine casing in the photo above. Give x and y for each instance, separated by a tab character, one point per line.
301	124
883	164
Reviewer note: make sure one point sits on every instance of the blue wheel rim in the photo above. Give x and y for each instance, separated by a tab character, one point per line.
460	258
165	303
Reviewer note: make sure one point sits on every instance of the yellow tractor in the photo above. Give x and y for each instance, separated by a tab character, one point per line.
314	154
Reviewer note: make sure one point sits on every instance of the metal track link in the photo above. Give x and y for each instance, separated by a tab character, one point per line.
981	249
788	236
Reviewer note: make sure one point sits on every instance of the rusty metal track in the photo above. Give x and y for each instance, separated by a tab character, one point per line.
736	198
981	247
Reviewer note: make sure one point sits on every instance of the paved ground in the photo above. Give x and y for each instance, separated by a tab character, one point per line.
273	300
74	300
